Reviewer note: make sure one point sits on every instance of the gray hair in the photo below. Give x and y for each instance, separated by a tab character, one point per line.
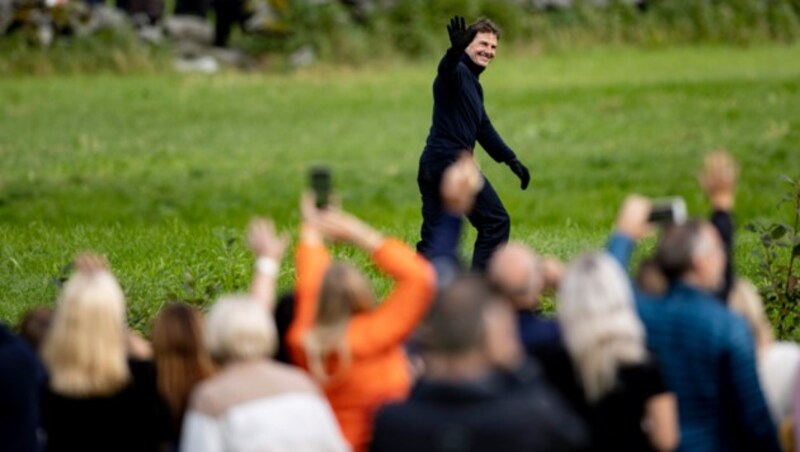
239	328
601	328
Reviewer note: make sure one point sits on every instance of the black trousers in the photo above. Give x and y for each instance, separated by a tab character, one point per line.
228	13
488	215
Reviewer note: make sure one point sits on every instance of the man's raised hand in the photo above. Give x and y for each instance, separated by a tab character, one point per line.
460	36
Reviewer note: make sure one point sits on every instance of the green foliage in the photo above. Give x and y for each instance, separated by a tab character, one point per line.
779	265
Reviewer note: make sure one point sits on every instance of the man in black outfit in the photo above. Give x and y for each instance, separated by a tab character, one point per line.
459	119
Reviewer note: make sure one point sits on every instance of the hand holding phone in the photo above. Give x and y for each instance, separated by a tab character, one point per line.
668	211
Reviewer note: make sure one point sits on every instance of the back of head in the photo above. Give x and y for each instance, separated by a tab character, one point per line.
85	350
238	328
455	323
601	328
35	325
343	293
677	249
180	354
517	274
485	25
745	300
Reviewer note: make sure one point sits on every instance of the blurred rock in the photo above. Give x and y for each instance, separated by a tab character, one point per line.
189	29
303	57
202	64
6	15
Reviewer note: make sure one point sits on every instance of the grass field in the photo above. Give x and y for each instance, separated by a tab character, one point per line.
162	172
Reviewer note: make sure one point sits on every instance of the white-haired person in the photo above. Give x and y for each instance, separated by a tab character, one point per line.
253	402
777	361
97	397
607	372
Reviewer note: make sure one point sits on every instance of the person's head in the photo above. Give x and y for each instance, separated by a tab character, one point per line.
468	320
745	300
344	292
35	325
599	323
180	354
483	47
85	351
239	329
692	252
518	274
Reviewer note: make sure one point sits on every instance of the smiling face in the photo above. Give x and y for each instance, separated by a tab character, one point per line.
483	48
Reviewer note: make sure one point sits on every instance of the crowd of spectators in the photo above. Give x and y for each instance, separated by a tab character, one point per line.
679	357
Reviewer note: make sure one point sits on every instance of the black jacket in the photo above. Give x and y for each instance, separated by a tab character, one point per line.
459	118
508	412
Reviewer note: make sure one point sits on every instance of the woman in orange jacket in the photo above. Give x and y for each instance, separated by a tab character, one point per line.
351	345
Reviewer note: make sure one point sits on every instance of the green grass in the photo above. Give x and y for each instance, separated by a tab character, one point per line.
162	172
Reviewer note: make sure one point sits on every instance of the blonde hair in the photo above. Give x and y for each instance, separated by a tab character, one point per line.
601	329
745	300
343	292
180	355
239	328
85	349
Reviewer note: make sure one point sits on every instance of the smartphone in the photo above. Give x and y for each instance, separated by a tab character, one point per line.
320	178
668	211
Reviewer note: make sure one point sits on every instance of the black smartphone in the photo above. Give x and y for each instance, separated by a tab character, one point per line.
668	211
320	178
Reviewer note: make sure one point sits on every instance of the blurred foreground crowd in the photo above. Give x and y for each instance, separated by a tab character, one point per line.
679	356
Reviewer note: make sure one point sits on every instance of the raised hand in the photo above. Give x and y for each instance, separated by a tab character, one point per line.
460	36
521	171
263	240
633	217
718	179
461	182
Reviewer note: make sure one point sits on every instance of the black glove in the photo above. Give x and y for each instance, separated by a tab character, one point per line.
460	37
521	171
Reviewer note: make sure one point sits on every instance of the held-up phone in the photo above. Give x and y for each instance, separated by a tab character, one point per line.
668	211
321	185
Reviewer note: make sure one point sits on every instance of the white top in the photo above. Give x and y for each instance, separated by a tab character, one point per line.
777	370
260	406
291	422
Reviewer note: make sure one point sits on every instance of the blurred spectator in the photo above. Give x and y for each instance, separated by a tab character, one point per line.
197	8
180	357
521	276
778	362
649	278
705	350
464	402
628	404
95	391
20	378
35	325
254	403
227	13
352	346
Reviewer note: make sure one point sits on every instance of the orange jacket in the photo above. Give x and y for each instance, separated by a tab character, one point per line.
379	370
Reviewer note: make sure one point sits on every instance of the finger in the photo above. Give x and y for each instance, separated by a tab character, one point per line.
463	24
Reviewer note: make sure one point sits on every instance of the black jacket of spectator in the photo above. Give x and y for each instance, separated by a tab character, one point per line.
502	412
135	419
20	377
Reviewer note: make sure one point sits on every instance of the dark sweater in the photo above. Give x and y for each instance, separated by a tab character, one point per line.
518	412
459	118
20	373
134	419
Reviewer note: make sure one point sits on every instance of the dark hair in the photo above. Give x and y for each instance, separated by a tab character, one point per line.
677	248
35	325
454	324
484	25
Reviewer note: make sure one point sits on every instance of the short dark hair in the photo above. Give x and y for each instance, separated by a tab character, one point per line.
677	248
454	324
485	25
